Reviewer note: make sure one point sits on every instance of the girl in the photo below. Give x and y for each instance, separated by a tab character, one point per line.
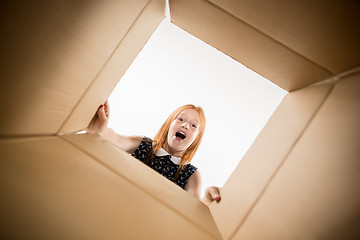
171	150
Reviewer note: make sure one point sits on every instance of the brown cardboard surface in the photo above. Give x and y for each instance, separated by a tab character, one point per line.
51	52
147	179
249	180
325	31
124	54
52	190
316	194
246	44
60	60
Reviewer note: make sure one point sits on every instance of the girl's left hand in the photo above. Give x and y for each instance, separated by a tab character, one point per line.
211	194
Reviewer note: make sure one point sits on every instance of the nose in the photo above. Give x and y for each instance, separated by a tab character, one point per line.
185	125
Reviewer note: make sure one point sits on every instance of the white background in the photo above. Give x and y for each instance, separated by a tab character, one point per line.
174	69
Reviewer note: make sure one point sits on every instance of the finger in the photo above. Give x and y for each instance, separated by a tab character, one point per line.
101	113
107	108
215	194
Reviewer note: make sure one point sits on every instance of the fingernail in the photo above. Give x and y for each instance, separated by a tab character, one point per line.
101	106
217	198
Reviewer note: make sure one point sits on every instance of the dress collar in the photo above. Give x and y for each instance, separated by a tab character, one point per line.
162	152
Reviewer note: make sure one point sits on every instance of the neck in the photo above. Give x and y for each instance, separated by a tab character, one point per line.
171	151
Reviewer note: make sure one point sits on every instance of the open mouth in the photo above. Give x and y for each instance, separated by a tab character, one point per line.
180	135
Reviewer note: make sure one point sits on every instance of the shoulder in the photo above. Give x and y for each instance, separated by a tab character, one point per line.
133	143
141	146
144	142
195	177
190	169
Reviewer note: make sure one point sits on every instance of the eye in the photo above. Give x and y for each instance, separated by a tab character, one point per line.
180	119
194	125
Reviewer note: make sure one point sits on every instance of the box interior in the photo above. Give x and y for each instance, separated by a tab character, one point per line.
62	59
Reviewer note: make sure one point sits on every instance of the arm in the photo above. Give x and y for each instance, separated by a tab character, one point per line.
193	186
127	143
99	124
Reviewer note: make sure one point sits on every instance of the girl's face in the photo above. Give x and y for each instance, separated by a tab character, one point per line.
182	132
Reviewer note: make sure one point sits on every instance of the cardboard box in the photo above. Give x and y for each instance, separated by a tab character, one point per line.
299	180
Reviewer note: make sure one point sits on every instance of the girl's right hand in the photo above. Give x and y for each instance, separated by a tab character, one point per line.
100	120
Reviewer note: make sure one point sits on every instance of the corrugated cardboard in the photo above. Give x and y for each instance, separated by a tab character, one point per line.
60	60
315	194
291	43
246	44
52	52
266	155
127	49
323	31
141	176
52	190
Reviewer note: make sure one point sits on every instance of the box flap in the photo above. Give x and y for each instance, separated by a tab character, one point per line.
326	32
146	179
51	52
249	180
316	194
287	42
52	190
117	64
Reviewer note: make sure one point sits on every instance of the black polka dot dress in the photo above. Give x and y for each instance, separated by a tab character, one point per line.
163	164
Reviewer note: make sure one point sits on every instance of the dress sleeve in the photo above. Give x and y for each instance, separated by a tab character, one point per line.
185	174
143	149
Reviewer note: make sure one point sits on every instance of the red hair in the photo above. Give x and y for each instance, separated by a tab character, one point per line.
161	137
